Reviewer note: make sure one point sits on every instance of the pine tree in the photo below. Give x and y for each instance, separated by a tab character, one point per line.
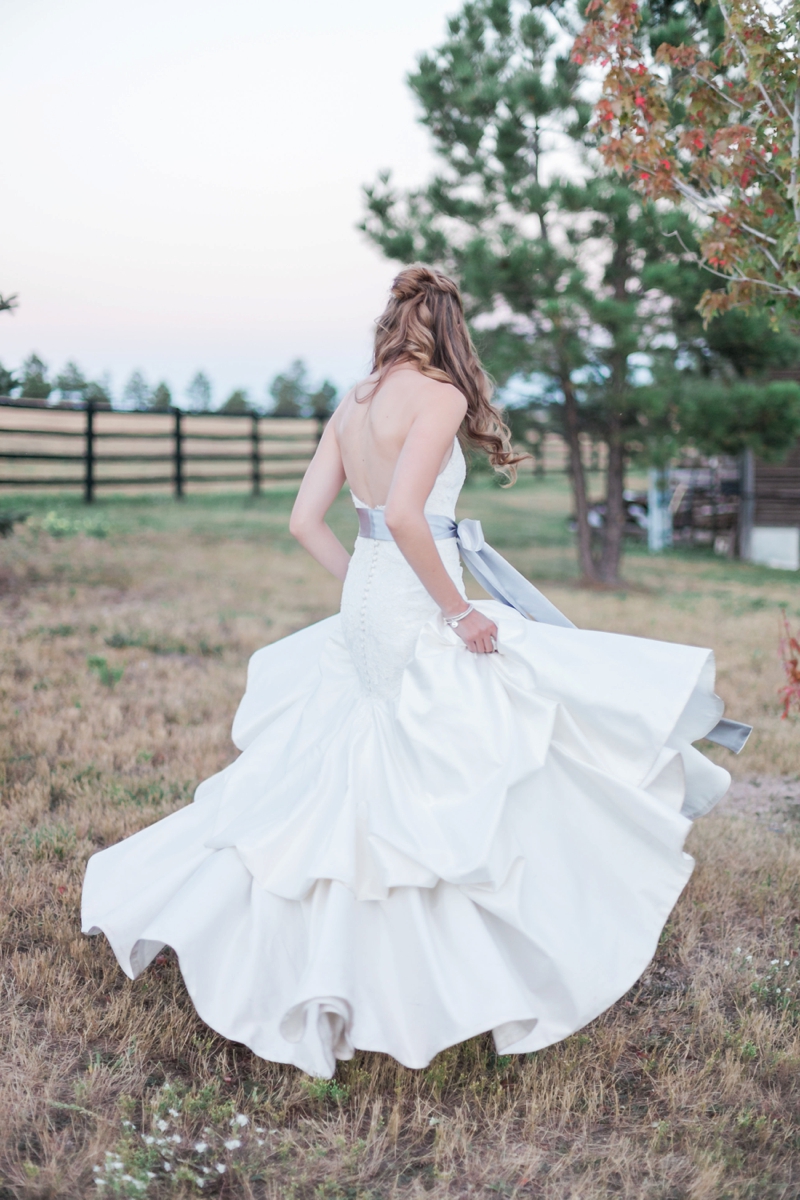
237	402
199	393
71	383
161	400
35	384
136	393
289	391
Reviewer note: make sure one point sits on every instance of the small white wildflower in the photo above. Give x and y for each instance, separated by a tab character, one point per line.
778	990
738	950
128	1124
150	1174
206	1170
148	1140
100	1182
773	962
200	1182
434	1120
116	1166
167	1166
173	1112
201	1147
95	1169
232	1144
241	1119
160	1141
162	1124
749	958
786	962
127	1178
260	1141
221	1168
259	1129
176	1138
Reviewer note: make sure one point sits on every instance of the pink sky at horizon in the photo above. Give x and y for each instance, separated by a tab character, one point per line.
183	181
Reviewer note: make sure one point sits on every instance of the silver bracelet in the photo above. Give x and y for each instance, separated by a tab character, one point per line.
453	621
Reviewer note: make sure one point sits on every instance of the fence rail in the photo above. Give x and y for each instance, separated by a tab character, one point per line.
179	450
201	449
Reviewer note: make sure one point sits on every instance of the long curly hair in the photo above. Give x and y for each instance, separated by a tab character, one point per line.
424	324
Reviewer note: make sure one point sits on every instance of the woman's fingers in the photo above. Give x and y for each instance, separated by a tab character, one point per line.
478	633
482	645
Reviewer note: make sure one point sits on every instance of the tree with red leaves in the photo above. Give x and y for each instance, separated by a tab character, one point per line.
715	125
790	656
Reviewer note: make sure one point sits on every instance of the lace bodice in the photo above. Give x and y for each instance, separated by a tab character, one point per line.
384	604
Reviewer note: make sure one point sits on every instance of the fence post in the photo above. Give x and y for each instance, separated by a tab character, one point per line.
178	461
88	482
255	455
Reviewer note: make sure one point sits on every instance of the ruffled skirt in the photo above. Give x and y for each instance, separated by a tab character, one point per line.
495	847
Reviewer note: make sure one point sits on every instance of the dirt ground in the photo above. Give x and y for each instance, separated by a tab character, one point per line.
124	634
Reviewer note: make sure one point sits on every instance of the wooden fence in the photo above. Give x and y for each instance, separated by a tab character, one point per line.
92	448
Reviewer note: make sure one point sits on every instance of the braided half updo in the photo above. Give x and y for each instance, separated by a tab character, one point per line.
424	325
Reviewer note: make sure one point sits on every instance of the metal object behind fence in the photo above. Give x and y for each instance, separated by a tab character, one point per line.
172	449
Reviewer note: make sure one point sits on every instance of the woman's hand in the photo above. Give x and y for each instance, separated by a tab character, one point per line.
478	633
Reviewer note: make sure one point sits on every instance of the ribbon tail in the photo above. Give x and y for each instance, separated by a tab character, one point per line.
504	582
731	734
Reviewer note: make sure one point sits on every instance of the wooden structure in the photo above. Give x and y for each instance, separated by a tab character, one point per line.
769	518
91	448
769	521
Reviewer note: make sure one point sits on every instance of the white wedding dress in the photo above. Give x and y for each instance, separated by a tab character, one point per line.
418	844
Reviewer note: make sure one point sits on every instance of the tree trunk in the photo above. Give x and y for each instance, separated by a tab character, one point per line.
615	505
578	477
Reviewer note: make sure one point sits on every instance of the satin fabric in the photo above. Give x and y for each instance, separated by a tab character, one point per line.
394	875
418	844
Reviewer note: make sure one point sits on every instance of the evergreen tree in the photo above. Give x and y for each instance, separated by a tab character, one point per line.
323	401
500	99
289	391
569	280
8	381
237	402
99	392
161	400
35	384
136	393
72	383
199	393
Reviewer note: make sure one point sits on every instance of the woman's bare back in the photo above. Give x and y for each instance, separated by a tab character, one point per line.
371	432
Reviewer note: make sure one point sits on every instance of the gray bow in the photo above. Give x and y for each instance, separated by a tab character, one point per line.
504	582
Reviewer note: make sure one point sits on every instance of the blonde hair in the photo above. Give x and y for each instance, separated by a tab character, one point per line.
424	324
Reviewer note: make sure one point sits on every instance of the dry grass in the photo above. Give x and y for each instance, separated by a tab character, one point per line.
123	659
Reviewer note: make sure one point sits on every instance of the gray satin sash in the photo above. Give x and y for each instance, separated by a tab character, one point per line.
504	582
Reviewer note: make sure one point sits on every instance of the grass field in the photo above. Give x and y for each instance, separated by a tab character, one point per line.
125	637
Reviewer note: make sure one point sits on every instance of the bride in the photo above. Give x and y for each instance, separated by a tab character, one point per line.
446	817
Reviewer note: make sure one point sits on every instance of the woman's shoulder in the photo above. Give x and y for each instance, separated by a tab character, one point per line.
425	389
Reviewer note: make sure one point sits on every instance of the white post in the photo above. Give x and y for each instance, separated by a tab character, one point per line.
659	515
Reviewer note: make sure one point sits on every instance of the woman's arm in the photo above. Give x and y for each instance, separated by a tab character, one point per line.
429	438
321	485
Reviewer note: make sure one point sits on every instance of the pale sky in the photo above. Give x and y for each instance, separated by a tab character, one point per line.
181	180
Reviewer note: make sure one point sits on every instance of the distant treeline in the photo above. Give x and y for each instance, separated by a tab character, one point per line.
290	394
